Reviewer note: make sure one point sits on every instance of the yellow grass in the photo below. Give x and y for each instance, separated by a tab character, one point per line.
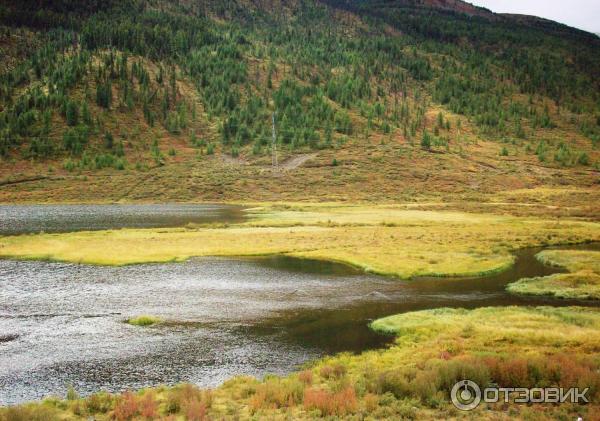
335	214
583	281
381	239
573	260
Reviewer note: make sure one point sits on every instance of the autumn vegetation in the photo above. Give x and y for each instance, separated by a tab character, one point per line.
413	140
508	346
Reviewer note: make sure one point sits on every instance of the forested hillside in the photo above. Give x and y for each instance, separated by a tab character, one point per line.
142	89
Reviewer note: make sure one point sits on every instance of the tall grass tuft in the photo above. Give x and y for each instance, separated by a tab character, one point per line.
190	400
144	320
306	377
328	403
126	408
277	393
149	406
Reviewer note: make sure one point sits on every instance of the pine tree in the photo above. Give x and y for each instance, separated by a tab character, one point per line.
72	113
108	140
426	141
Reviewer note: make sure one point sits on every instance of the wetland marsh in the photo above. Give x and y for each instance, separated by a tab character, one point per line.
219	317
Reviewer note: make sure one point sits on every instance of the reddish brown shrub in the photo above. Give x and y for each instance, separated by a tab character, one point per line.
149	406
195	410
510	373
126	408
258	400
371	402
326	372
317	399
189	391
572	371
306	377
563	370
268	398
445	355
178	396
277	393
341	403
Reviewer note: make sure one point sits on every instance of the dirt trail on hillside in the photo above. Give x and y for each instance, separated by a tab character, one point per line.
296	161
9	182
228	159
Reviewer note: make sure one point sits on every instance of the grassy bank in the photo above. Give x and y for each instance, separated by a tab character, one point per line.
387	240
582	281
510	346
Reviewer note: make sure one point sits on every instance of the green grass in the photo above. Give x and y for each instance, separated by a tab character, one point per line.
144	320
582	281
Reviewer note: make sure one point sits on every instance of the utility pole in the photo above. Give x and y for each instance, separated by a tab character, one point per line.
274	147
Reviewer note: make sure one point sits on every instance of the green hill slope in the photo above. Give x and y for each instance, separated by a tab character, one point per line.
141	90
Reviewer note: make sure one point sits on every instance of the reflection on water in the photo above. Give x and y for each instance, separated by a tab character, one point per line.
22	219
63	323
333	330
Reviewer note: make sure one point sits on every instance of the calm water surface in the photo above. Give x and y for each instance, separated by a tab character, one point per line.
63	324
23	219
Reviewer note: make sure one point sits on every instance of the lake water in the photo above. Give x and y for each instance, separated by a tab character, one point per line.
64	324
23	219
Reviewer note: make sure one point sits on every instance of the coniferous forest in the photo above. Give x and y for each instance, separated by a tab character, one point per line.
95	85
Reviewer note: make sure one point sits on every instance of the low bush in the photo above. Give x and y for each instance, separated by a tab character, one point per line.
126	407
395	382
149	406
99	403
195	410
336	372
306	377
277	393
340	403
185	398
560	370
